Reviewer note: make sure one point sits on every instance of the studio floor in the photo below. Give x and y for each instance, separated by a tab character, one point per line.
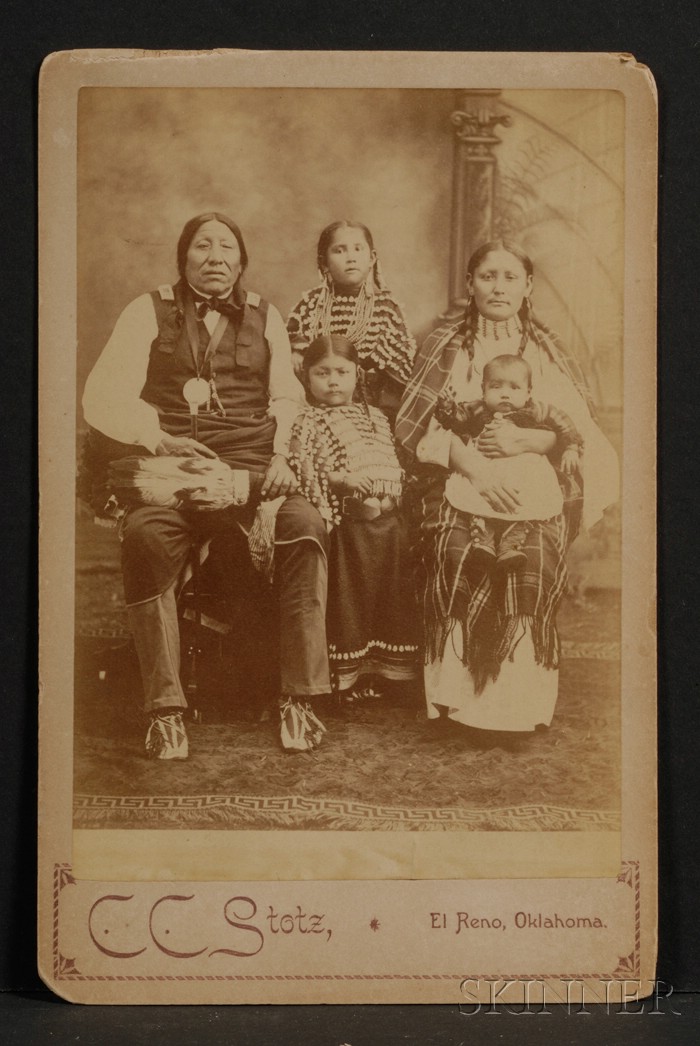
382	763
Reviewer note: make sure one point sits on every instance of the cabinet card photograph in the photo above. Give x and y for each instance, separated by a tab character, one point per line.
347	440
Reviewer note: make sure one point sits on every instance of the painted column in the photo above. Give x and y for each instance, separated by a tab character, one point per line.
473	184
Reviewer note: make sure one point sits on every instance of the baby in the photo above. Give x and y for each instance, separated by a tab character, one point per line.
498	537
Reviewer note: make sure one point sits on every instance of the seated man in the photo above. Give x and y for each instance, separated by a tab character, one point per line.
231	347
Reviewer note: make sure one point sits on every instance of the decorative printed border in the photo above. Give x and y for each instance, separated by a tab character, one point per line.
628	966
91	811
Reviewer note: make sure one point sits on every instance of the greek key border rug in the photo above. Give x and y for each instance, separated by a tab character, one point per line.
298	812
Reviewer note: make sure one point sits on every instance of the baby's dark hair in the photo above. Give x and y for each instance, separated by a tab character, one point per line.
505	362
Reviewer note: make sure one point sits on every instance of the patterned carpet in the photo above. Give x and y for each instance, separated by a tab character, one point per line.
294	811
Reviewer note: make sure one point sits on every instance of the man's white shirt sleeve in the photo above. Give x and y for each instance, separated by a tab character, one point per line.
286	391
112	403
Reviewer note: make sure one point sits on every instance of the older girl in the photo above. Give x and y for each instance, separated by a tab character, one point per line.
353	301
492	649
343	455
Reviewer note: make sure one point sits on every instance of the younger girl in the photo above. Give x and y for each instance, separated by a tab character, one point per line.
343	455
353	301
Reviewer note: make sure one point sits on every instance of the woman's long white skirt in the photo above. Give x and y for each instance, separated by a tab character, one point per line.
522	697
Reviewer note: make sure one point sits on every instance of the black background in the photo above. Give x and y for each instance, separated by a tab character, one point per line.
666	37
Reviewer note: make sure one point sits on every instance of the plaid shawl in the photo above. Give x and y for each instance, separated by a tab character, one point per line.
492	609
434	367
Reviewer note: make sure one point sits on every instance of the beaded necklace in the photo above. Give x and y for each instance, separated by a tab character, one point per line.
361	315
497	329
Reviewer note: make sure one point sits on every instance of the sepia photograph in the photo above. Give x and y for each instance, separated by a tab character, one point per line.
349	388
347	428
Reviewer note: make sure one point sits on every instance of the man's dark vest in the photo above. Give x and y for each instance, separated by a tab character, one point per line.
240	368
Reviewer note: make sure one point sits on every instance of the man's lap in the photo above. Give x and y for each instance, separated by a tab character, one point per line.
151	524
156	541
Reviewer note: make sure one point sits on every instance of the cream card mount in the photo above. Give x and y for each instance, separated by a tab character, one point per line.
405	858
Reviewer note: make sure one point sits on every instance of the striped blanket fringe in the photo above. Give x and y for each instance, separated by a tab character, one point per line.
494	611
484	655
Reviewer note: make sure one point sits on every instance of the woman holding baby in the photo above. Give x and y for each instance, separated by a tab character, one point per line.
499	425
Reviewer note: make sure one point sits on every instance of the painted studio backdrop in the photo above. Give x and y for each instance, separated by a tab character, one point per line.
433	173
